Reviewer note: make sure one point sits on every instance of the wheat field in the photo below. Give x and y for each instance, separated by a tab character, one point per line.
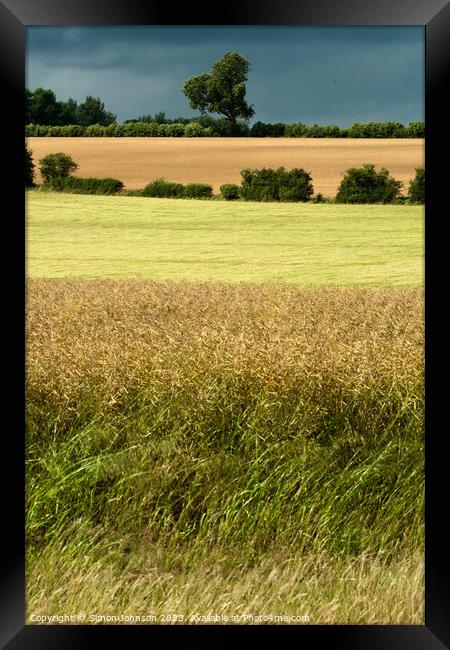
224	449
137	161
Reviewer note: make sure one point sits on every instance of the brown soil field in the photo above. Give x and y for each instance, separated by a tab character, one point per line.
137	161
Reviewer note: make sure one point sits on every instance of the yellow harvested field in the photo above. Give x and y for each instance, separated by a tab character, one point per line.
137	161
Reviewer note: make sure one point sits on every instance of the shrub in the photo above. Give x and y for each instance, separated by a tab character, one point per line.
366	185
174	130
415	130
77	185
94	131
376	130
29	168
41	130
229	191
193	130
197	191
72	130
162	188
417	187
318	131
276	185
296	185
55	131
55	166
267	130
297	130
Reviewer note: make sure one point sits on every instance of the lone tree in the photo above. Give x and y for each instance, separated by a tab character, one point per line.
222	90
56	166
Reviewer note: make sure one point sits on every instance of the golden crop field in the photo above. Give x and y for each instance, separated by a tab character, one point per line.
137	161
223	448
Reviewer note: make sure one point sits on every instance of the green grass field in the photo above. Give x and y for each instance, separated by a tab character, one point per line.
167	239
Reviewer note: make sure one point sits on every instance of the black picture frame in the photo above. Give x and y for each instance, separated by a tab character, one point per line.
434	16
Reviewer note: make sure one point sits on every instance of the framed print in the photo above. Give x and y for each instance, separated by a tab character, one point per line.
229	277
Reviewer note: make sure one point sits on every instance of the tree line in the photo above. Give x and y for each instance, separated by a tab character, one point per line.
222	90
42	107
207	126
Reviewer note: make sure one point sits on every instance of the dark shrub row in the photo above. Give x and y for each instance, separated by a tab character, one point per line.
77	185
366	185
356	130
161	188
132	129
276	185
202	128
359	185
198	191
229	191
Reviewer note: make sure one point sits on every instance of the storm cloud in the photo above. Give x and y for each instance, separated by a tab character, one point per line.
328	75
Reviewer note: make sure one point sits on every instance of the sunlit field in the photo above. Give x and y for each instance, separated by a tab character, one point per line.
190	240
137	161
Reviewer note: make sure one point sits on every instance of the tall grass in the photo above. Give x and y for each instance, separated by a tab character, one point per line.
227	431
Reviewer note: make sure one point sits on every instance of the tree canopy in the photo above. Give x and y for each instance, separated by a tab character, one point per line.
222	90
42	107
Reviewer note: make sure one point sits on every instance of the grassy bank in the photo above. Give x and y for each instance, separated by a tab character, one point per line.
170	239
215	448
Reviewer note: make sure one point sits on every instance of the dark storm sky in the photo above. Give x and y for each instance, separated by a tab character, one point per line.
328	75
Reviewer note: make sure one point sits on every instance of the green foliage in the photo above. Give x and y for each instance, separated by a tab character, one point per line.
193	130
165	189
69	112
55	166
29	168
174	130
197	191
329	131
77	185
417	187
41	107
366	185
222	90
415	130
276	185
72	131
92	111
229	191
267	130
376	130
222	127
297	130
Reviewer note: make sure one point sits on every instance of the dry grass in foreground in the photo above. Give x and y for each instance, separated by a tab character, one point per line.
298	590
225	449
